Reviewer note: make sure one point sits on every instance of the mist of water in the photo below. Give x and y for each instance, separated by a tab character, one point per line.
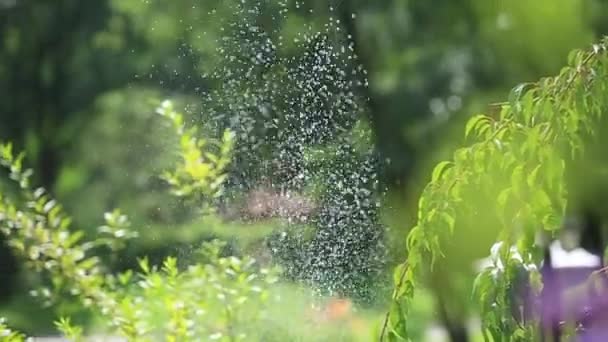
296	106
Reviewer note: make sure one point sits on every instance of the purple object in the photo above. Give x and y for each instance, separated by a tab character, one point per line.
569	295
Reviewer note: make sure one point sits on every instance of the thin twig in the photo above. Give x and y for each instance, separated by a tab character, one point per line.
579	68
394	298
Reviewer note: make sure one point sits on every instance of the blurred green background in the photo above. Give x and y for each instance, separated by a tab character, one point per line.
78	81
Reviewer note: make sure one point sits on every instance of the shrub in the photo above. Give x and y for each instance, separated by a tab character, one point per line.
218	298
8	335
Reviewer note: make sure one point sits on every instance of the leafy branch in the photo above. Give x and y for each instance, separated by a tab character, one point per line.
513	170
202	168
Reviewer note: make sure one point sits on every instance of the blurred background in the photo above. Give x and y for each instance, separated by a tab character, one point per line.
79	81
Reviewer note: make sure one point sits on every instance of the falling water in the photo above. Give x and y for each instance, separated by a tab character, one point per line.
296	106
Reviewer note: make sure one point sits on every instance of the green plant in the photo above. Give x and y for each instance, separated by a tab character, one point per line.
65	326
218	298
201	171
510	184
8	335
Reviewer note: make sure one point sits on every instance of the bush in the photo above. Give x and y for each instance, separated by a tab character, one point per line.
205	299
8	335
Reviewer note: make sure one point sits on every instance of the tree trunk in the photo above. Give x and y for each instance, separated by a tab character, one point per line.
456	329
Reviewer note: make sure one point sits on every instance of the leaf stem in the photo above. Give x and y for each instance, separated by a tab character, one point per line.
394	298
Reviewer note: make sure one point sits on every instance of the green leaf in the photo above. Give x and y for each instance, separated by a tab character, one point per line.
573	56
515	96
551	222
144	265
532	177
65	326
503	201
528	107
518	182
399	274
397	323
481	284
413	237
475	122
439	170
449	220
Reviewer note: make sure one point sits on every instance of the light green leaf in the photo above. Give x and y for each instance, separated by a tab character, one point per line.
440	169
474	123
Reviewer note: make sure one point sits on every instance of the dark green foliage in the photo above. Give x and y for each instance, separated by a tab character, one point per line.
8	271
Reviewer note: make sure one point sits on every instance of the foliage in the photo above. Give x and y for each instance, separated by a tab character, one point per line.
116	163
509	185
201	170
120	40
117	158
65	326
8	335
79	61
137	147
205	299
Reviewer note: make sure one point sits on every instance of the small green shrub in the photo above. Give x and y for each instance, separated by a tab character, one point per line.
8	335
200	172
217	299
